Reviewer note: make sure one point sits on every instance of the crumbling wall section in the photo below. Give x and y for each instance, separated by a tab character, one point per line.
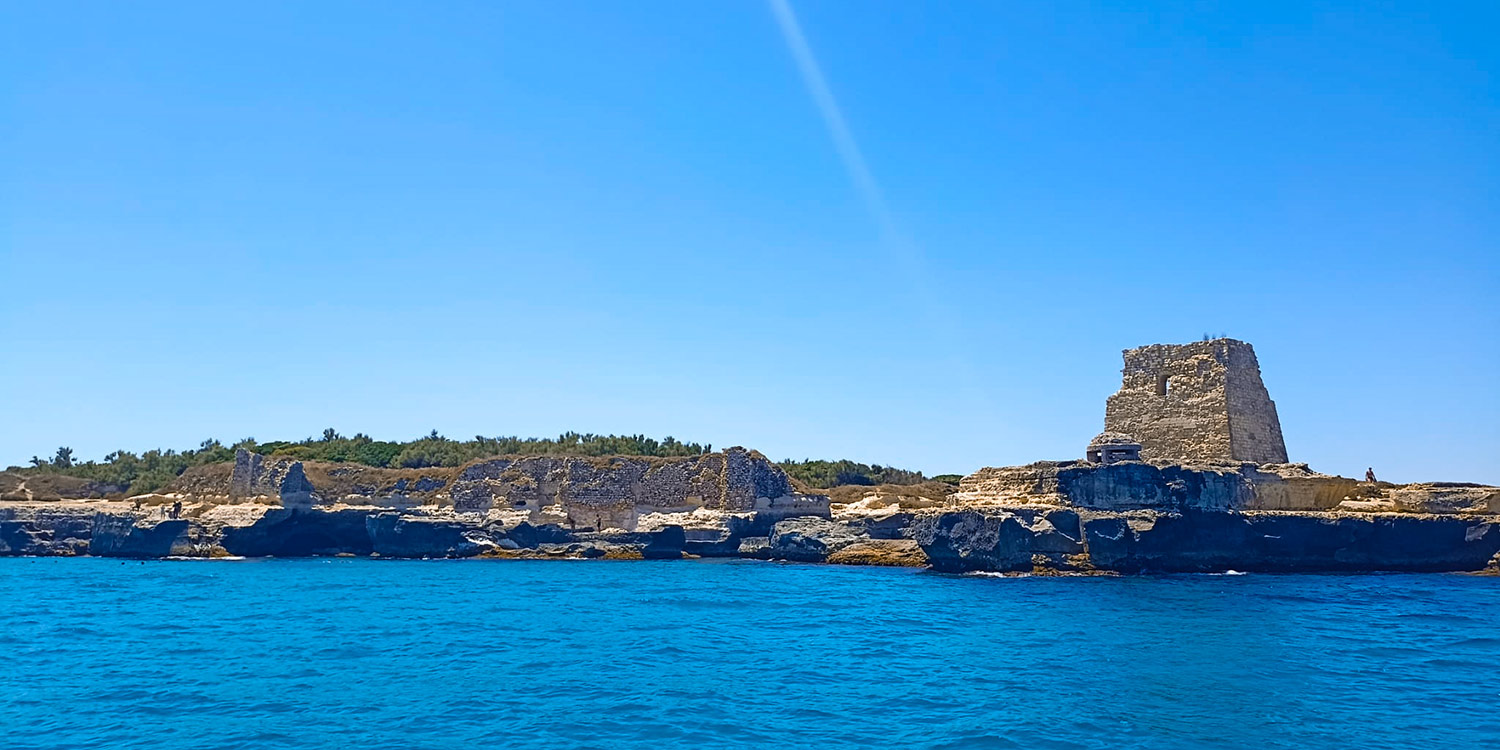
1254	427
257	477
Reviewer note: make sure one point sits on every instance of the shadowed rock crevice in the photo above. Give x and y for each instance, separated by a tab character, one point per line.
300	533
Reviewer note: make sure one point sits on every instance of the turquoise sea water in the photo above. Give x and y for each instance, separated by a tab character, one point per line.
346	653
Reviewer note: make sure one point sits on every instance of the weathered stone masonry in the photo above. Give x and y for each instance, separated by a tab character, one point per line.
1203	401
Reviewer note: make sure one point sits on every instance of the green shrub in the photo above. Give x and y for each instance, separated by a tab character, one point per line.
827	474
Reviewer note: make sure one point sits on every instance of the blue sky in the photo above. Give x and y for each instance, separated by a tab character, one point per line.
520	218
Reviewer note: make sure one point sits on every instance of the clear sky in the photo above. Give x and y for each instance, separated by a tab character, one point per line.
922	239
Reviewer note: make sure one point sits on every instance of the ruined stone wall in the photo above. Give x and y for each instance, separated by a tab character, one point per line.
256	477
1203	401
614	492
1254	428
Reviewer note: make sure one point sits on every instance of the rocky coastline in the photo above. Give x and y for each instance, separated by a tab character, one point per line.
1190	475
1054	517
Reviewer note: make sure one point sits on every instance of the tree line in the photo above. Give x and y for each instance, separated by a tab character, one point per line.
828	474
154	469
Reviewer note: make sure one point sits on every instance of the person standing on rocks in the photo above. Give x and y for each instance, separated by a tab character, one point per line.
1370	475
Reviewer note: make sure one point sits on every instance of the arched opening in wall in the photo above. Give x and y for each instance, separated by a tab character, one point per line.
1161	384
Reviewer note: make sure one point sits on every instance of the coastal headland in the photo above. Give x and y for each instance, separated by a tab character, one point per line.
1190	475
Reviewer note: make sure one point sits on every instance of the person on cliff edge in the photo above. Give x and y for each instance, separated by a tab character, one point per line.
1370	475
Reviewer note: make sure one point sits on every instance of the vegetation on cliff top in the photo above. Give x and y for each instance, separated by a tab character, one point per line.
145	472
154	469
826	474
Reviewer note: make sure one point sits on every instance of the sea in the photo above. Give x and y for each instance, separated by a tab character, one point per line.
369	654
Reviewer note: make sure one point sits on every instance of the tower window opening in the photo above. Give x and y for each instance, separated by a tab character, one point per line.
1161	384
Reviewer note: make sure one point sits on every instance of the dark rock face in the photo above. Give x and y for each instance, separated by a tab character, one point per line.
301	533
1021	539
1017	540
666	544
126	536
1140	485
1287	542
527	536
755	548
18	538
45	531
712	542
392	535
810	539
1032	538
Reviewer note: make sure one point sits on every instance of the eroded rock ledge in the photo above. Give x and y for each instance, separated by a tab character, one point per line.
1036	539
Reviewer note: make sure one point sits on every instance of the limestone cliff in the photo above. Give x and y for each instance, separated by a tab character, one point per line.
615	492
1137	485
574	491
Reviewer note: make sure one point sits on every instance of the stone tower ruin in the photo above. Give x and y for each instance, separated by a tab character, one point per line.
1202	401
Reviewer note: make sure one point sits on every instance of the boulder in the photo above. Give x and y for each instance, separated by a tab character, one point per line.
666	544
1001	540
904	553
810	539
755	548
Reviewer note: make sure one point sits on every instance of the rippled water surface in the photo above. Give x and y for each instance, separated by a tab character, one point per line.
379	654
